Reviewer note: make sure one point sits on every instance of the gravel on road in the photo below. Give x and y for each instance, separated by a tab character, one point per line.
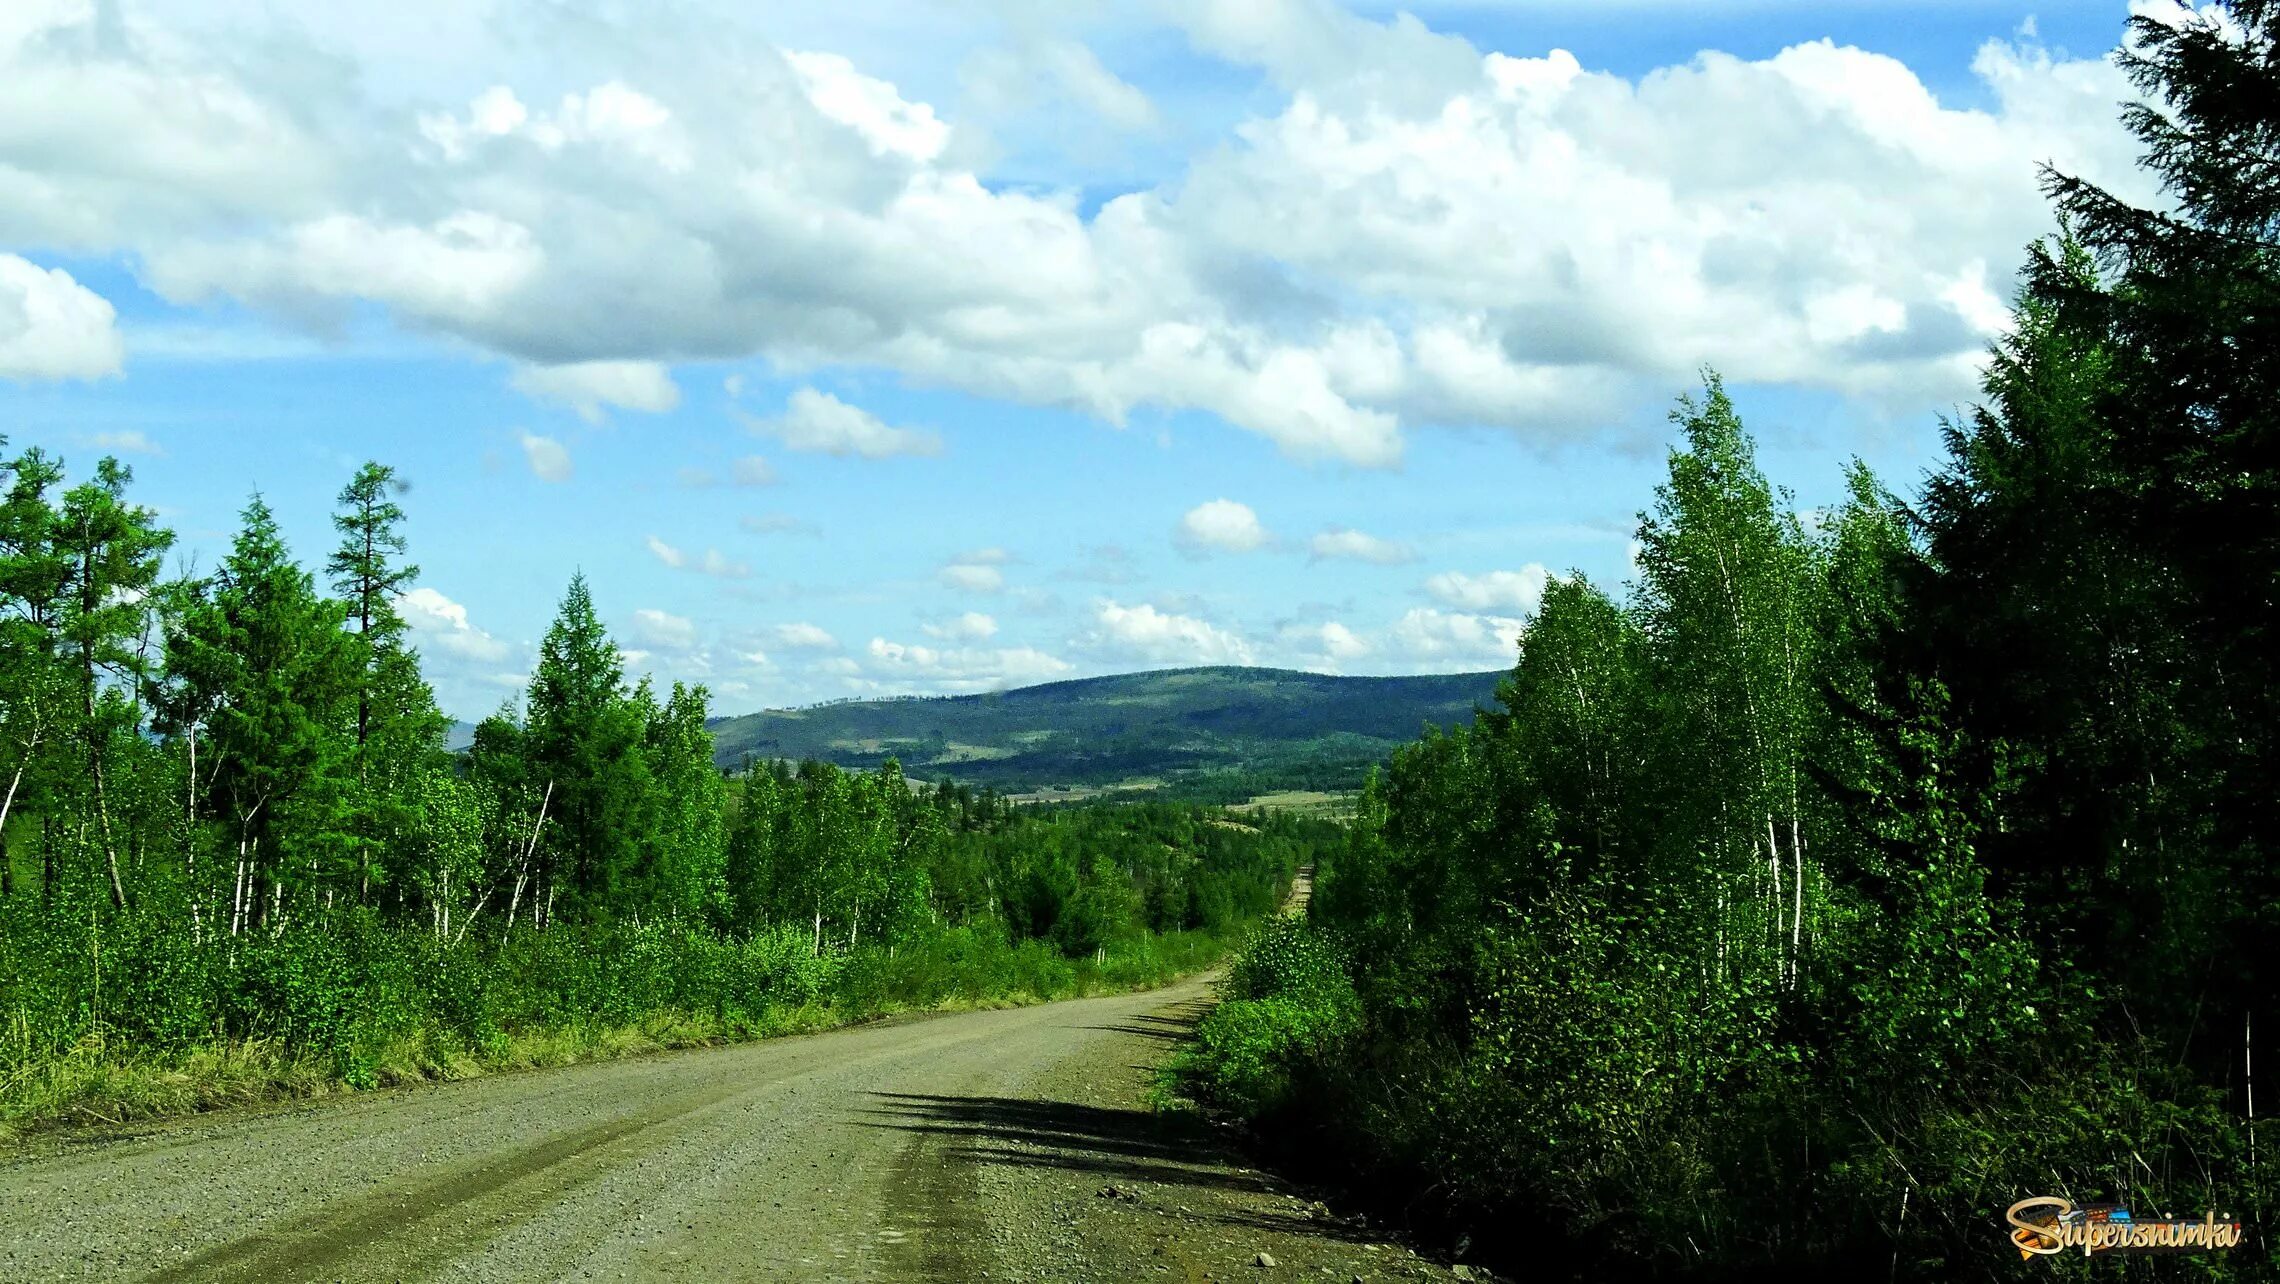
1012	1145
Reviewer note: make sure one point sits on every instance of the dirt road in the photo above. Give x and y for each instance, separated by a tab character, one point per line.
1011	1145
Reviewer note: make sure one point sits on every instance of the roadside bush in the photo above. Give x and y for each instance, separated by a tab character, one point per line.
113	1011
1288	956
1289	1005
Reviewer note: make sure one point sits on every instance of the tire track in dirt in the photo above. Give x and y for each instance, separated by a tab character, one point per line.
1009	1145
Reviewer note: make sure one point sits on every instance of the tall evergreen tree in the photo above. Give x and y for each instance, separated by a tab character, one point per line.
114	549
262	657
35	684
584	737
363	573
2188	308
399	730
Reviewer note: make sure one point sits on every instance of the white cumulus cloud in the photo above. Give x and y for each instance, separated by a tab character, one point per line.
961	668
51	326
1341	544
1435	638
1220	525
1512	591
441	624
821	423
803	636
1162	637
591	387
1341	643
972	626
1402	228
973	577
660	629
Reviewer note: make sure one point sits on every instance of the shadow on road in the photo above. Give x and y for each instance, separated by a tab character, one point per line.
1171	1029
1127	1151
1116	1146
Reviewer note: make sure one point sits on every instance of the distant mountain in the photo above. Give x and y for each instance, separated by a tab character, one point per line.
1232	728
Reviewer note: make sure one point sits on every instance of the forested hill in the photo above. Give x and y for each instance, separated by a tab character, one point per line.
1271	727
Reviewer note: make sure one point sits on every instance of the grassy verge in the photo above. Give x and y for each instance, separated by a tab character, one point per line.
102	1076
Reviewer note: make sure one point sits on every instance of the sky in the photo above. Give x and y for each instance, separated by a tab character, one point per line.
871	348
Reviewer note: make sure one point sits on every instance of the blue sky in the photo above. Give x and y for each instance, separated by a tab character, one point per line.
1011	341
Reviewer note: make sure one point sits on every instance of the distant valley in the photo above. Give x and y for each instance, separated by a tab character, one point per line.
1213	731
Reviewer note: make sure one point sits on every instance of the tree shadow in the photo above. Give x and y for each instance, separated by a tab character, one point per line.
1119	1148
1175	1024
1168	1029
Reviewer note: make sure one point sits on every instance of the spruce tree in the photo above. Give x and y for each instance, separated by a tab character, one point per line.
2102	601
268	656
584	735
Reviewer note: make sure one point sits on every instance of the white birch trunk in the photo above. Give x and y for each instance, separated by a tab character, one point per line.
1797	883
1773	866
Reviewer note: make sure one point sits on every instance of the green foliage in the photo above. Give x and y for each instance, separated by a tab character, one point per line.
1288	1003
1287	958
1851	881
1835	890
257	862
870	857
352	990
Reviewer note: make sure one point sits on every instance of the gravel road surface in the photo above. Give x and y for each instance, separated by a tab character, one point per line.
1009	1145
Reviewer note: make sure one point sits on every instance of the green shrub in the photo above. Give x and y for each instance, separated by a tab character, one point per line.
1289	1004
357	1001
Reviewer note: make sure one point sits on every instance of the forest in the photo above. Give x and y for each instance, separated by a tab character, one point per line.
1861	870
1203	735
237	860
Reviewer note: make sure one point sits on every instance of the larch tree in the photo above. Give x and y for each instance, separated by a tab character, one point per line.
35	682
399	731
114	549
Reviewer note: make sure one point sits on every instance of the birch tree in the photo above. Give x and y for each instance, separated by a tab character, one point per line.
1726	604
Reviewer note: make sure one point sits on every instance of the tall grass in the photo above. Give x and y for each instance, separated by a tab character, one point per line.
134	1018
